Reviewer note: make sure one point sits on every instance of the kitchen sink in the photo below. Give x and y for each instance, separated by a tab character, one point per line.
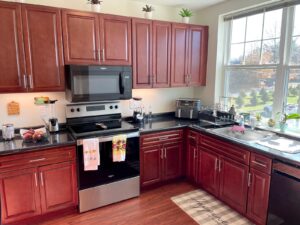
248	135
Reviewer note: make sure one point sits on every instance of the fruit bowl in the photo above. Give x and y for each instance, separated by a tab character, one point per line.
34	135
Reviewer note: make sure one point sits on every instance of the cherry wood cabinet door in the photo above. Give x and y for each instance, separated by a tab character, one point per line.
172	161
142	53
115	36
12	60
58	186
43	47
258	196
209	175
179	63
151	165
81	37
233	183
192	160
19	195
162	32
197	55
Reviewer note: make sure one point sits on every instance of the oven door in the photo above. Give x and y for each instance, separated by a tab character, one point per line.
110	171
98	83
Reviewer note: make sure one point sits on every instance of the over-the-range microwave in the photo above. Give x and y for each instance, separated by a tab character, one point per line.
86	83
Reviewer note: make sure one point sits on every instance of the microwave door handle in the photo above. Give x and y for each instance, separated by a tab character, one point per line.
121	82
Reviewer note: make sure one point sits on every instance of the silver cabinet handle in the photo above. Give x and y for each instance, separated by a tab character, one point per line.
103	55
259	164
194	153
162	153
216	164
35	178
42	178
30	81
249	180
25	81
163	138
165	153
37	160
219	166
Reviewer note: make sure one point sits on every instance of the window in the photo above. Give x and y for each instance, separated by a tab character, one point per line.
262	61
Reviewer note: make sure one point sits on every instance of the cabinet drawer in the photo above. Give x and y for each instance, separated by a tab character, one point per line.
192	137
161	137
261	163
37	158
227	149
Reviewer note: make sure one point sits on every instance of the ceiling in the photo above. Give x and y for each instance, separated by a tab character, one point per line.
191	4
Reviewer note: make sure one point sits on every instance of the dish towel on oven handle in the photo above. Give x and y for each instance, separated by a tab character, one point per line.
91	154
119	148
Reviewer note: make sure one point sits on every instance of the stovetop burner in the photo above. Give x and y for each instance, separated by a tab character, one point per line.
100	126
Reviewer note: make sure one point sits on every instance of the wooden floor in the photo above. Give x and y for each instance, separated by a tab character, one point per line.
153	207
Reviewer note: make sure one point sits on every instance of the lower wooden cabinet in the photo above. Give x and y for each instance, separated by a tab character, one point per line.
192	156
258	196
44	182
172	162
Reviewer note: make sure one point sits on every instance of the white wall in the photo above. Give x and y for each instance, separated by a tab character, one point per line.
212	16
161	100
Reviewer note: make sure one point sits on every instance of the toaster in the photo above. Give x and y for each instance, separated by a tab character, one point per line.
187	108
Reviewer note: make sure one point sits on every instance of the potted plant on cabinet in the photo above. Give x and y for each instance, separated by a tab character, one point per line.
95	5
148	9
185	14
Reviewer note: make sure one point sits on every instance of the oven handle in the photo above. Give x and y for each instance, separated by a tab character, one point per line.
110	138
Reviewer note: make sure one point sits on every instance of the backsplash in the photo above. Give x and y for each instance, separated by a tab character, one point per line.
161	100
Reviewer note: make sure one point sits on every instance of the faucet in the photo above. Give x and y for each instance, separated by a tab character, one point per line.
242	121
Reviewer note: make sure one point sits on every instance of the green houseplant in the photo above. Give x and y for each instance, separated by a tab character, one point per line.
95	5
185	14
148	9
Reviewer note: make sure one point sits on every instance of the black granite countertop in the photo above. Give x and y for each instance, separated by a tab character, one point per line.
17	145
168	123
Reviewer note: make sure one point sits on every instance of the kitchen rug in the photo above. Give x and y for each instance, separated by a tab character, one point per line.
207	210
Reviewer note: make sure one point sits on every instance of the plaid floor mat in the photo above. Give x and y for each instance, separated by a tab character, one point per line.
207	210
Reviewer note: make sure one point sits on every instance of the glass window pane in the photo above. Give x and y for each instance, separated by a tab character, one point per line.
254	27
295	51
272	24
252	90
236	54
293	98
270	52
252	53
238	30
297	21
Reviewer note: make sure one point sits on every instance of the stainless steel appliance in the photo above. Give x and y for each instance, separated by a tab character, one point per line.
187	108
98	83
113	181
8	131
284	201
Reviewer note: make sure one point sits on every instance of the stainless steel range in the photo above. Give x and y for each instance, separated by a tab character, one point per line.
111	181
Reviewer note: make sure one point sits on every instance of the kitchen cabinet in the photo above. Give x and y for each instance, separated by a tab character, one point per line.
48	181
259	187
161	157
193	157
12	58
43	48
151	53
189	55
31	48
91	38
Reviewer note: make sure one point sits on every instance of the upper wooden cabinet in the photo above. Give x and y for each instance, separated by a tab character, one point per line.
43	48
12	60
189	55
91	38
31	59
151	53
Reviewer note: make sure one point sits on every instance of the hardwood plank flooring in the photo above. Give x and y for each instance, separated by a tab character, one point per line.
153	207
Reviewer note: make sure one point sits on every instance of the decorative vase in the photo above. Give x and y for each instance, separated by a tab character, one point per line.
148	15
283	127
186	19
96	8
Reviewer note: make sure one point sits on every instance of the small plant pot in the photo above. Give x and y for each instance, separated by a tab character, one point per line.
96	8
186	19
283	127
148	15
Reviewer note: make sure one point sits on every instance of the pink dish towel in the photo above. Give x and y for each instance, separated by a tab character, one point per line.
91	154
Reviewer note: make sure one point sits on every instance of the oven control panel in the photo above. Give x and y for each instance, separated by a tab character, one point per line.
92	109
